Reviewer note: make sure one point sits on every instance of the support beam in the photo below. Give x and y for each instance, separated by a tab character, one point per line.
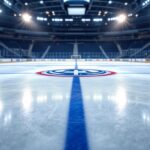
103	52
90	6
141	49
148	54
30	49
119	48
46	52
9	49
15	6
62	6
75	49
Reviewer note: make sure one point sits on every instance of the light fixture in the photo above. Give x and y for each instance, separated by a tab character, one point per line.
125	3
76	10
76	1
109	2
146	3
7	2
85	19
41	19
57	19
69	20
97	19
26	4
26	17
121	18
41	2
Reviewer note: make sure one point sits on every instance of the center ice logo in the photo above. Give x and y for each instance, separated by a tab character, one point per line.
76	72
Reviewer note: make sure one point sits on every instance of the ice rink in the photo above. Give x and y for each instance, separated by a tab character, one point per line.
74	113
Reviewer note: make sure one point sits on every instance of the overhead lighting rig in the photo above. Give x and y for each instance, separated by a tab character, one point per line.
76	7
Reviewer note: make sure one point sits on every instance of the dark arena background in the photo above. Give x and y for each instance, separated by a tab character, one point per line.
74	74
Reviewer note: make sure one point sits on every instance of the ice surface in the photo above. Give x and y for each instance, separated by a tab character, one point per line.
34	109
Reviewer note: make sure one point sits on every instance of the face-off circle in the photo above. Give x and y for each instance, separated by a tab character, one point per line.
76	73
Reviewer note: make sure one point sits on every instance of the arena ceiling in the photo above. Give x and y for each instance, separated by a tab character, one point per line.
75	16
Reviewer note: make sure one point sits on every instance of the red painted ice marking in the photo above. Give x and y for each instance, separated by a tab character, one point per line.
82	73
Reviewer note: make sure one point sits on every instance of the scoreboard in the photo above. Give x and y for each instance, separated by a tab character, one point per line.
76	1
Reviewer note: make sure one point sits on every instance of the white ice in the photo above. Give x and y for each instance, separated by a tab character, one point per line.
34	108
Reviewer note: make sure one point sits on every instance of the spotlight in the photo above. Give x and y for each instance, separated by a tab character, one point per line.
26	4
109	2
122	18
125	3
41	2
26	17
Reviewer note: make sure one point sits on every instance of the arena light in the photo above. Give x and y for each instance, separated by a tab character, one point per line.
130	15
76	11
26	4
125	3
41	2
121	18
109	2
26	17
69	20
97	19
112	19
85	20
76	1
41	18
7	2
146	3
57	19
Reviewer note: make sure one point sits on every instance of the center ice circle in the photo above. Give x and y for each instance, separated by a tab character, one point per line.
76	72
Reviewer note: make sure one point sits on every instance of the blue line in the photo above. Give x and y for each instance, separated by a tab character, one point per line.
76	64
76	138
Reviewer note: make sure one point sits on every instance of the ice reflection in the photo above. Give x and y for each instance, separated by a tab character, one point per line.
60	96
146	117
97	97
1	107
57	97
67	96
7	118
42	98
27	100
121	99
118	98
87	97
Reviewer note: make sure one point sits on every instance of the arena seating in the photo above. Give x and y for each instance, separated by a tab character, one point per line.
64	50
